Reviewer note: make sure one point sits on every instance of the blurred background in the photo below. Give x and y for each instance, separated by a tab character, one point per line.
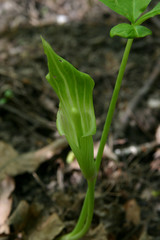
79	32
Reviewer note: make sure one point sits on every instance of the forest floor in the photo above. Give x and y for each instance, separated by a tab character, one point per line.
41	193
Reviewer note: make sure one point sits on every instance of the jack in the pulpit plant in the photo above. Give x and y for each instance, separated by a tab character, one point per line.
75	117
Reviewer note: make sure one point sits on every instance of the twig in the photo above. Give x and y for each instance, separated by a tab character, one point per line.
39	181
135	150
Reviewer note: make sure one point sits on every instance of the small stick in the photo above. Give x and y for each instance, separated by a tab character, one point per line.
135	150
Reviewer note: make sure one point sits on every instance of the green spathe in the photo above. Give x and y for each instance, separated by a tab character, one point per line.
130	9
75	117
129	31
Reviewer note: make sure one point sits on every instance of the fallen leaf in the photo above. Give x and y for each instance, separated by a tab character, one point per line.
132	211
6	188
12	164
98	233
47	228
25	218
19	217
7	152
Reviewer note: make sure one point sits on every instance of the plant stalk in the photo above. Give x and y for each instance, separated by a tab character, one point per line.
86	215
89	207
113	103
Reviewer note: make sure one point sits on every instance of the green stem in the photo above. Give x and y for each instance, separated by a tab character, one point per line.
82	217
113	103
81	220
88	206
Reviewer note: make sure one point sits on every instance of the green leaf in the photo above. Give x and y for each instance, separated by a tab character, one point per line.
8	94
155	11
129	31
131	9
3	101
75	117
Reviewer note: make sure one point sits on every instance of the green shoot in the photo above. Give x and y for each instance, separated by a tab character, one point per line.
7	95
75	117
